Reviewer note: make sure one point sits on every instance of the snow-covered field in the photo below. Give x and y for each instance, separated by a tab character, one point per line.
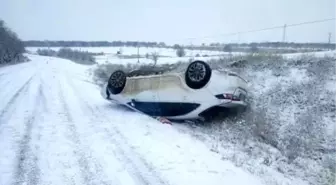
112	59
131	50
56	129
166	55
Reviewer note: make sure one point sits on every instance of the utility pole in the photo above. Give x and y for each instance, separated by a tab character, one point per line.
284	33
138	54
329	37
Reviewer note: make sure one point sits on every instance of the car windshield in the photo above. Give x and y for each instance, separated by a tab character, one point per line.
152	92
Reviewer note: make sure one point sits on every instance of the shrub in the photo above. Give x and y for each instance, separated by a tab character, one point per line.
180	52
82	57
46	52
155	57
227	48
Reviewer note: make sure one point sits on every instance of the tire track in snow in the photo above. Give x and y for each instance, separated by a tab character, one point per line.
14	98
28	172
137	165
5	84
58	162
107	172
88	176
43	97
12	129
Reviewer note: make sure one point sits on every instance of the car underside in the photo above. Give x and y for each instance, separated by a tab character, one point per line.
177	96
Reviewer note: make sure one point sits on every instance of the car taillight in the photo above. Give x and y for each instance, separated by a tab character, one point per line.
233	97
228	96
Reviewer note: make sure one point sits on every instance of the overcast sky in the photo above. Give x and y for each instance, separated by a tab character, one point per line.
171	21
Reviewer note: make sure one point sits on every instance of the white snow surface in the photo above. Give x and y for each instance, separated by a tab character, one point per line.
320	54
56	129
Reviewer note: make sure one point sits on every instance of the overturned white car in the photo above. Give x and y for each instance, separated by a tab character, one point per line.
177	96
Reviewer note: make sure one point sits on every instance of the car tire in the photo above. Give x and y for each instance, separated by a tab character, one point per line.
198	74
116	82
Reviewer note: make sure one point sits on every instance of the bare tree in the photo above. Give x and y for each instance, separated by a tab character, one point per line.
155	57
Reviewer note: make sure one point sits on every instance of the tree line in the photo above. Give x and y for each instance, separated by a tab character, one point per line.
11	47
276	45
37	43
211	46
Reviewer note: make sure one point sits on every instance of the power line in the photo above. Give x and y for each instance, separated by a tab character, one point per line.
262	29
311	22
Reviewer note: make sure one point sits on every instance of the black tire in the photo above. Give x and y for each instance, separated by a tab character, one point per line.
116	82
198	74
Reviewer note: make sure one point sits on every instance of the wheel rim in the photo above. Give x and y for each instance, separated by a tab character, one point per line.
117	79
196	72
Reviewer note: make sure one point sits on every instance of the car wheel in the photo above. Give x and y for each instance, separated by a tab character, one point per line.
117	82
198	74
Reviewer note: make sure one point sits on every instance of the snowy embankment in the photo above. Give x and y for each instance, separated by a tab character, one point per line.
288	135
56	129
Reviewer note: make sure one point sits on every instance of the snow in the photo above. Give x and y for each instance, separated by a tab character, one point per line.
267	81
166	55
331	53
56	129
330	86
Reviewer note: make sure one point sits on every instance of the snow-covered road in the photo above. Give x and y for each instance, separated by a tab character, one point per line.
56	129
